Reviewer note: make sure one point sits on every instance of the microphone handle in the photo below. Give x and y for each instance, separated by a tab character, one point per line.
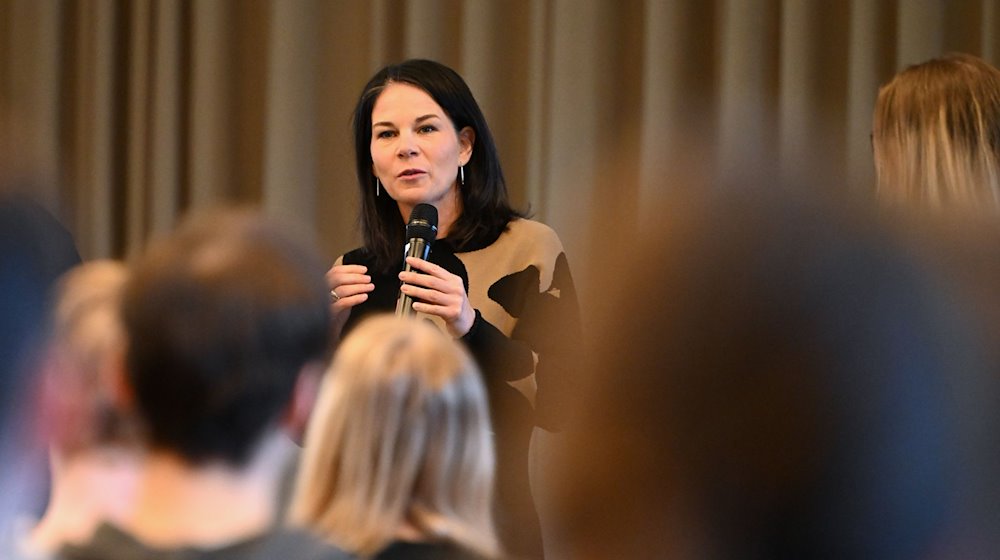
419	248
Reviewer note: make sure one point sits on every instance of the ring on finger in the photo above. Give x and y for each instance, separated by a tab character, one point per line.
334	298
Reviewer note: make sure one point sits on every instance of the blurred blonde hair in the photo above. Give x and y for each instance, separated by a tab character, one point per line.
936	134
87	336
400	434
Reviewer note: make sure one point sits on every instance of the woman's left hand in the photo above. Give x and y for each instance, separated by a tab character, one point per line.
440	293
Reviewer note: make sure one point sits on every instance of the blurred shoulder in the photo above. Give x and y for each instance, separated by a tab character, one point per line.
401	550
295	544
111	543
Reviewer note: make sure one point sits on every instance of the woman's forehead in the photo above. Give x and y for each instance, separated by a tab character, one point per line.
400	101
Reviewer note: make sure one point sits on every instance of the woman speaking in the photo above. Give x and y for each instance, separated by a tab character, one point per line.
493	279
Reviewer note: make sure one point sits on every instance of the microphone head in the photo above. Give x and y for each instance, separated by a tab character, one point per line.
423	223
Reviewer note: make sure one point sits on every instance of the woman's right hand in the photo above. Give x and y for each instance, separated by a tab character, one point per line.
349	286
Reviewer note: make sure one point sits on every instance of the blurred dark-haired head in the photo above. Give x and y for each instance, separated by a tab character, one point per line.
221	317
34	250
771	379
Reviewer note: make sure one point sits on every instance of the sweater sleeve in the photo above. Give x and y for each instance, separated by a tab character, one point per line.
551	326
498	356
545	341
527	315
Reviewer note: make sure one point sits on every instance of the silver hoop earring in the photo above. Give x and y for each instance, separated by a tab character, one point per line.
461	174
378	187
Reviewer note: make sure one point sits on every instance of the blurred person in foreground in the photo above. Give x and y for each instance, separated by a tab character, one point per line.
92	441
777	383
35	249
399	461
936	135
221	318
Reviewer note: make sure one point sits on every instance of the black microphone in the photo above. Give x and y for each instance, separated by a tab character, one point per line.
420	233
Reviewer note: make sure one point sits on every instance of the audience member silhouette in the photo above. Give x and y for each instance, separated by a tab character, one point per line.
774	380
92	441
221	318
936	135
34	250
399	458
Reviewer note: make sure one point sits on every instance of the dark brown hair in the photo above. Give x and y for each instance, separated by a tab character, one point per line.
486	208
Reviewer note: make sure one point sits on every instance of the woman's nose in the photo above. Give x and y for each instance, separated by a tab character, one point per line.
407	146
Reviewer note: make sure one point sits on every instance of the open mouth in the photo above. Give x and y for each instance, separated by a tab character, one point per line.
411	173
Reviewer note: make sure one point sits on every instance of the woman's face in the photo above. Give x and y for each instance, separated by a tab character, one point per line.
416	150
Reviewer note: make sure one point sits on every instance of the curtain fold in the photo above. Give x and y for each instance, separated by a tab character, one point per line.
92	163
209	114
132	112
290	150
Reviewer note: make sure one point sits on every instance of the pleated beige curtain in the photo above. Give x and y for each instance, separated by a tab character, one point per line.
135	111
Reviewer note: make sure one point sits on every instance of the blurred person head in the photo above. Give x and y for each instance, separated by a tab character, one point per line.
34	250
936	135
768	382
399	443
221	318
81	369
480	195
92	439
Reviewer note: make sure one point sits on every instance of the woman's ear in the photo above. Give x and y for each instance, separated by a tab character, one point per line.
466	139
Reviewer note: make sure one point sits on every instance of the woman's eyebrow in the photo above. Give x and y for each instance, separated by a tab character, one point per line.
419	119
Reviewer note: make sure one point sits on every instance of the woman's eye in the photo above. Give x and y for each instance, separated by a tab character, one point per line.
385	134
428	128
